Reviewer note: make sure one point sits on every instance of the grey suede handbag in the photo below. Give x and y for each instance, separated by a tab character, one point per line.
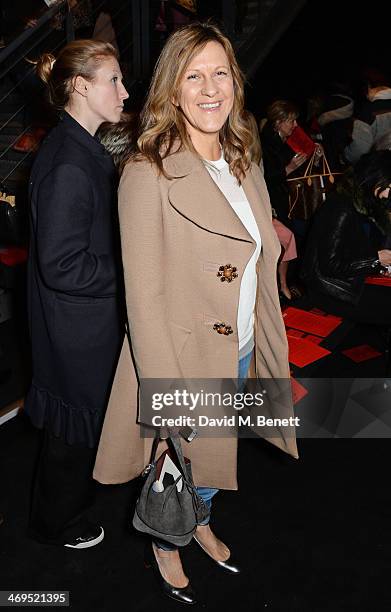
169	512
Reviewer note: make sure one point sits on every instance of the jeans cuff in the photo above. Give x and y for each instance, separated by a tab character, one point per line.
164	545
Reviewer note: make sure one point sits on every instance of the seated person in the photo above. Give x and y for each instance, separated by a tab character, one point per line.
279	159
346	244
336	123
284	234
372	119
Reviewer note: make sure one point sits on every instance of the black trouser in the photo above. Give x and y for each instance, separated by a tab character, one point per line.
63	490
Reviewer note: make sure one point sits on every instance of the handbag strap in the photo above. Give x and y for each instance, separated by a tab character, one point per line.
150	465
326	171
176	445
292	206
325	168
308	170
155	445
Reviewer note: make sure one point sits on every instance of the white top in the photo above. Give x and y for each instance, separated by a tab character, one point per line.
234	193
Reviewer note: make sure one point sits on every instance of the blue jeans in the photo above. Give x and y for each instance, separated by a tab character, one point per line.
244	364
205	492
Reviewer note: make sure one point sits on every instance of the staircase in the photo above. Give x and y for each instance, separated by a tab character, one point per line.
14	166
264	24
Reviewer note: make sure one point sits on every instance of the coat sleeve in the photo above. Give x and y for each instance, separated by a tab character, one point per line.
362	141
64	215
142	242
260	180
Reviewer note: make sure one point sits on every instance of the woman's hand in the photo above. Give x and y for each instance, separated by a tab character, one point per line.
296	161
319	151
385	257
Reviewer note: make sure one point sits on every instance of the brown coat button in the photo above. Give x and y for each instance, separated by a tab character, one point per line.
222	328
227	273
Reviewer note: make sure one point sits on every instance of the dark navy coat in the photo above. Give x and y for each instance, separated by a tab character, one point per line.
74	286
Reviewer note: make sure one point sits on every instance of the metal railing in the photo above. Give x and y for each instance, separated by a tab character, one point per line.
16	69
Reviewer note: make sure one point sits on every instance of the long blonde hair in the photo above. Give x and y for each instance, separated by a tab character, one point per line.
162	123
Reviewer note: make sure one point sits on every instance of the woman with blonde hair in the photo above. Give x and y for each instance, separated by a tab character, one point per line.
73	288
199	255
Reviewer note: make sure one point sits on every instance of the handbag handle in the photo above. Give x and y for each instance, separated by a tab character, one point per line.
326	167
176	445
308	171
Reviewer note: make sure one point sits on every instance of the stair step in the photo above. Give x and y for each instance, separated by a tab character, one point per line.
10	411
11	155
18	172
9	132
5	140
15	122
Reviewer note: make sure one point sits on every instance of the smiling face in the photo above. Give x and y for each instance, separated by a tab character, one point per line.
206	94
105	94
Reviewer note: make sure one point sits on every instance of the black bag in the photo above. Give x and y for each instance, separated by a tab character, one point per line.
169	514
308	192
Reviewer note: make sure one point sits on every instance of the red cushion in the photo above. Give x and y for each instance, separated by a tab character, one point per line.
12	256
378	280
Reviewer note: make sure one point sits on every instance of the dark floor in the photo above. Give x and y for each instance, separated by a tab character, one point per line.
311	534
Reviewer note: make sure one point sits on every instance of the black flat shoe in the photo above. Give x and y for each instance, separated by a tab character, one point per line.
185	595
229	565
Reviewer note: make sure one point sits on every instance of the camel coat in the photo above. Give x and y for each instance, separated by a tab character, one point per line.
175	235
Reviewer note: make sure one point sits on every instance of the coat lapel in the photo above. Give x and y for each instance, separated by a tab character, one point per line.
194	194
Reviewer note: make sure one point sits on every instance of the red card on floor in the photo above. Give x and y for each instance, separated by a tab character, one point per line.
318	311
361	353
378	280
302	352
295	333
309	322
298	391
314	339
